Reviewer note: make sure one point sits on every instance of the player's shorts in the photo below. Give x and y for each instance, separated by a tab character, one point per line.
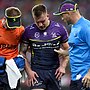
77	85
46	80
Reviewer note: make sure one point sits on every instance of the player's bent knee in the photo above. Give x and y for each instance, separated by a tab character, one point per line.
37	89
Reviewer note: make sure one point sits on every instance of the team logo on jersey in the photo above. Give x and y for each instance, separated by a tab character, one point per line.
53	35
45	33
37	35
57	25
31	27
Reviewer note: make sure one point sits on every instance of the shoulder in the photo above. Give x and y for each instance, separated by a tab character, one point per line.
59	26
30	27
84	23
29	30
56	24
85	26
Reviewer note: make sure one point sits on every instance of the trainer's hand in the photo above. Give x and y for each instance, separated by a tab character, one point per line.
32	78
86	80
61	52
59	72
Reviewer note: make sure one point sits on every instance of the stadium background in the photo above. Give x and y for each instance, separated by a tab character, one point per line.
26	5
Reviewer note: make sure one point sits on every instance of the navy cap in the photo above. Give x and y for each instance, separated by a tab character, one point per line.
13	17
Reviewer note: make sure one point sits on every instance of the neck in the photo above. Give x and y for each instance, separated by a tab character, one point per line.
5	26
76	17
48	23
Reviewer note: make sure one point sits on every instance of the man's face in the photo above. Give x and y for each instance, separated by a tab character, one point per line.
66	18
42	21
13	23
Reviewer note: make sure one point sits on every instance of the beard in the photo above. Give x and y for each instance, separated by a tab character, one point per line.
69	22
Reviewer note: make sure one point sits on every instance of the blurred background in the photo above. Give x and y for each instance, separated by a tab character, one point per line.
26	5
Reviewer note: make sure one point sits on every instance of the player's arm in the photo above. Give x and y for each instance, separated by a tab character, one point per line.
31	74
65	55
63	61
23	50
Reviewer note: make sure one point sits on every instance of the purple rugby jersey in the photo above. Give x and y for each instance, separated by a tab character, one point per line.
43	43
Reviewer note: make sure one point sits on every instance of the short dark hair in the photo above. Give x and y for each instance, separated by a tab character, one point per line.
13	17
37	10
12	11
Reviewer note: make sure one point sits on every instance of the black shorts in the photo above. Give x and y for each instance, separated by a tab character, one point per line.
46	80
77	85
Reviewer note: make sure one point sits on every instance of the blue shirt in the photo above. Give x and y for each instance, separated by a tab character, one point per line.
43	43
79	50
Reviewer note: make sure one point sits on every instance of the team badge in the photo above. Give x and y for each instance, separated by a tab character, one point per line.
53	35
57	25
37	35
45	33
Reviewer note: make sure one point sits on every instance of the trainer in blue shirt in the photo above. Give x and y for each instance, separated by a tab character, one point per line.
79	41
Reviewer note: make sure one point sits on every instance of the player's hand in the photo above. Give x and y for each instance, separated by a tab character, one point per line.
86	80
61	52
32	78
59	72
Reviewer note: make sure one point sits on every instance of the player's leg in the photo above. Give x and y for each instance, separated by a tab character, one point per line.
73	85
40	85
53	83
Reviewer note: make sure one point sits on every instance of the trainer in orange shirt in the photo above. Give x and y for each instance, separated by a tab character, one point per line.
11	30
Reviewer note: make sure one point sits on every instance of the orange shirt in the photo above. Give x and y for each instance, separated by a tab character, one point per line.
9	41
